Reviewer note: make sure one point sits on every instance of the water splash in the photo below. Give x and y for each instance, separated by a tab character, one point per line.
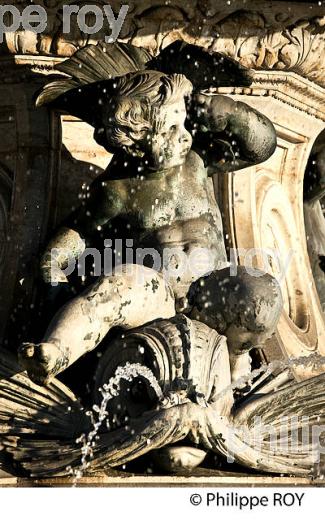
128	372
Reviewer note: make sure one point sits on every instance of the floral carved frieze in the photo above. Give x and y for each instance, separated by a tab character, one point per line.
267	35
251	38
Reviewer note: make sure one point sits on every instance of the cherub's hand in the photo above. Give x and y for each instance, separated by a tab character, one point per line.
42	361
210	113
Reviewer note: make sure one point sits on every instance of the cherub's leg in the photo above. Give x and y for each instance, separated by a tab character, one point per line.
132	296
245	307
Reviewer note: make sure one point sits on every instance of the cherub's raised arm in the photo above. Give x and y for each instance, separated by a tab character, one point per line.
230	135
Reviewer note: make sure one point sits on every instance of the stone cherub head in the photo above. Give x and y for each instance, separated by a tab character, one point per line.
143	114
134	101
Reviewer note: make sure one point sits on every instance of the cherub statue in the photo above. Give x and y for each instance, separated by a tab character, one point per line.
168	134
196	328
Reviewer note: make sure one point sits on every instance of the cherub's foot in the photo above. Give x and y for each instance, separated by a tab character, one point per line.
42	361
240	367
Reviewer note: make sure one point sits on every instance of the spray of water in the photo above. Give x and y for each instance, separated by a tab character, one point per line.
109	390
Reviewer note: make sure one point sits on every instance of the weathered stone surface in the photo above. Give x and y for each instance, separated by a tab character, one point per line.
262	206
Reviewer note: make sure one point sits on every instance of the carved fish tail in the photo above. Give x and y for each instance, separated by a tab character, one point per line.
280	432
36	419
39	427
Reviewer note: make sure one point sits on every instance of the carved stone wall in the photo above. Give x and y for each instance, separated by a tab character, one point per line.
44	162
263	207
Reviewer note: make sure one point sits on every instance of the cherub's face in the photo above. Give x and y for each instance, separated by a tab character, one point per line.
170	143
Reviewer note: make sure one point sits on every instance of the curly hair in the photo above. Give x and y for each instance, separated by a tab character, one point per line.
132	105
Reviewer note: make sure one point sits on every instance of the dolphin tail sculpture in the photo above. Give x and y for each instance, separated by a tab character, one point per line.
278	432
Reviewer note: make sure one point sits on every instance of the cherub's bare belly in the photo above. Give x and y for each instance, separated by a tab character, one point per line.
175	223
184	250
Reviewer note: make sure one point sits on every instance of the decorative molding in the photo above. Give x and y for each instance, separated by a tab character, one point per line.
286	36
288	87
275	40
21	68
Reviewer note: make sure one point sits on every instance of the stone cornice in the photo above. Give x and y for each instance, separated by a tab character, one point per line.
268	35
288	87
